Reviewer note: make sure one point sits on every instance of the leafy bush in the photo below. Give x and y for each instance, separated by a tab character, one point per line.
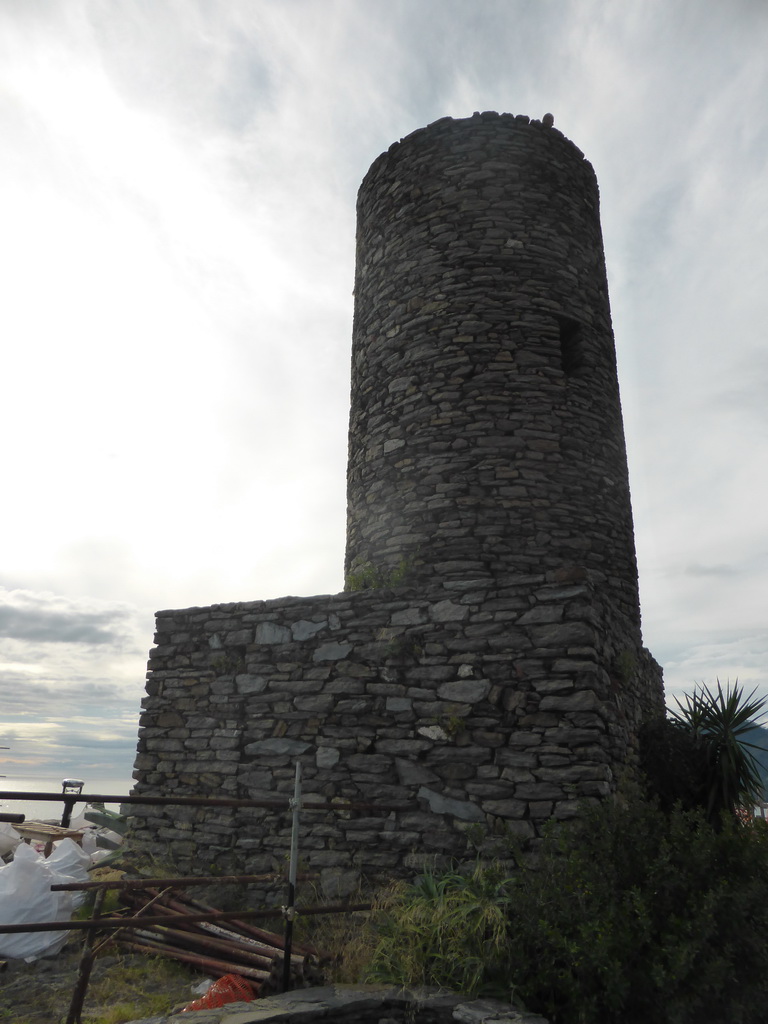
630	916
673	765
636	915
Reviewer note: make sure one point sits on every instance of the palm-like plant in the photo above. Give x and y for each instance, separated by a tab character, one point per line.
717	722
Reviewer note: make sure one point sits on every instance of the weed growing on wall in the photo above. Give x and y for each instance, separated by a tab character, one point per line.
625	665
367	576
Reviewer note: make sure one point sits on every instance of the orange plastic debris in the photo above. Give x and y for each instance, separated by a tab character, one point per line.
231	988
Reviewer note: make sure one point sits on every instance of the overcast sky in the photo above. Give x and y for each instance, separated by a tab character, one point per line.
177	201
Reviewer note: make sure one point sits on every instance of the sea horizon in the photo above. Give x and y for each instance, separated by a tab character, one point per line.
46	810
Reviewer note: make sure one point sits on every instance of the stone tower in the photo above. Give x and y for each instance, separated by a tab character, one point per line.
484	664
486	437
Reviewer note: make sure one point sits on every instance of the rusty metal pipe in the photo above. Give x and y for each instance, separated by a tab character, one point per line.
208	930
183	910
110	923
269	939
218	967
175	883
281	803
175	937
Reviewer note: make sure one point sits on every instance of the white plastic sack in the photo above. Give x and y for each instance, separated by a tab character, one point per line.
69	859
26	897
103	839
9	839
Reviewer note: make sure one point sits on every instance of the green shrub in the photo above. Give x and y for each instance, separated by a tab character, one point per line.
673	764
637	916
629	916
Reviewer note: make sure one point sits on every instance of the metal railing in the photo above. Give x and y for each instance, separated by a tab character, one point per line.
141	921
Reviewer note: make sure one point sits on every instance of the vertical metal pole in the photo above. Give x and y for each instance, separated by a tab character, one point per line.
75	787
290	898
86	963
66	815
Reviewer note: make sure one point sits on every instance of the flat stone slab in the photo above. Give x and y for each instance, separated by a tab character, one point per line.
363	1004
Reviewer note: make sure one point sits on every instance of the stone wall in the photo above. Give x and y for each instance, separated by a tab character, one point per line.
504	679
499	706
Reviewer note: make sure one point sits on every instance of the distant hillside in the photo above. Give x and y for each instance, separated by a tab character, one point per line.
759	736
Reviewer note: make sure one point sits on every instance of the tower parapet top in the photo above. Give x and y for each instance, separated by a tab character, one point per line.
491	117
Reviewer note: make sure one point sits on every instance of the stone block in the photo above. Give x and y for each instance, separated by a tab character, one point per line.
275	747
376	763
562	635
408	617
433	732
399	704
439	804
455	771
168	718
412	773
272	633
583	700
468	691
448	611
524	739
517	774
538	790
401	747
541	614
487	738
507	808
334	651
239	637
303	629
317	703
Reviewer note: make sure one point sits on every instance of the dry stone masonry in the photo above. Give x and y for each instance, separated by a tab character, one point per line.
484	670
486	433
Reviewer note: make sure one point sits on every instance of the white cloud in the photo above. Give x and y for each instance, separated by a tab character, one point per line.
177	202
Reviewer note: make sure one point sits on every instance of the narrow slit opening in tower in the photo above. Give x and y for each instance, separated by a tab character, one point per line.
572	355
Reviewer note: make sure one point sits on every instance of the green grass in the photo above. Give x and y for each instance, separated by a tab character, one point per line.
134	989
448	930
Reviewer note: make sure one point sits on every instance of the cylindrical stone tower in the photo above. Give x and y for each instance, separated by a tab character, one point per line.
486	438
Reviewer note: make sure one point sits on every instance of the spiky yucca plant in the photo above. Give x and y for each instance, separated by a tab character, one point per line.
717	722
